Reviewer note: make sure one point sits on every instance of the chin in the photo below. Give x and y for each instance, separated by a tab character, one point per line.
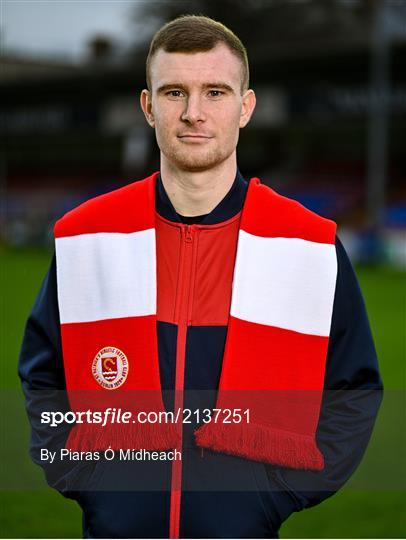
196	163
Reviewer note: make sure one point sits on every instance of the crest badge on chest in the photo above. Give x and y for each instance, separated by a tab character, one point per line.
110	367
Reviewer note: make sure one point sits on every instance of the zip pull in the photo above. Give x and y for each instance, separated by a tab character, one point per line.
202	452
188	234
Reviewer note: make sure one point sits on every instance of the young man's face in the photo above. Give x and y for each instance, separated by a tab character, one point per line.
196	106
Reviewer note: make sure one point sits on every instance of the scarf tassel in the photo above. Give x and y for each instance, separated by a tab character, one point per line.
262	443
86	437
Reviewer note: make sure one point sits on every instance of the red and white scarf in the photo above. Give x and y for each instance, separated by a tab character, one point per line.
277	338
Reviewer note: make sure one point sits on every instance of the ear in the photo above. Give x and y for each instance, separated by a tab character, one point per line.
146	106
248	105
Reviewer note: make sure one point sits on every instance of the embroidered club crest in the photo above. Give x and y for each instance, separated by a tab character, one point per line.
110	367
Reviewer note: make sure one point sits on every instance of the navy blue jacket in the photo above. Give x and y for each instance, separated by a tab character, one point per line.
242	498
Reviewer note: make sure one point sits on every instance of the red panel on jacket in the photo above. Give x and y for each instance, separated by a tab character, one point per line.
215	248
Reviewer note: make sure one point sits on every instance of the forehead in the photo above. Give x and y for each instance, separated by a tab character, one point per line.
196	68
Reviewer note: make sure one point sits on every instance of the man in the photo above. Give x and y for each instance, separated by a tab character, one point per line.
195	280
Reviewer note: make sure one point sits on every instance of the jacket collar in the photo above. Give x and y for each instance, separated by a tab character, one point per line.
228	207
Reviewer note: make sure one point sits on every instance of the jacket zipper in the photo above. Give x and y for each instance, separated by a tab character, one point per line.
182	309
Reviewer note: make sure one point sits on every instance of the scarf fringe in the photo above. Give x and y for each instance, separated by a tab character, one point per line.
85	437
262	443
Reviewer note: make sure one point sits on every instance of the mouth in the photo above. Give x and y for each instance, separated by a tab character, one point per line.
194	137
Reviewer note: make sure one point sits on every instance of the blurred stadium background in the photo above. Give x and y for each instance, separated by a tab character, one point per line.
329	130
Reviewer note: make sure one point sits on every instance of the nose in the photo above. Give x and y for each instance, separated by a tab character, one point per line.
194	111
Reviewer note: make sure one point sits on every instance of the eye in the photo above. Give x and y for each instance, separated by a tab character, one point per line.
216	93
174	93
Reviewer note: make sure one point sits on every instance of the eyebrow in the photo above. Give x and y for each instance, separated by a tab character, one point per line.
180	86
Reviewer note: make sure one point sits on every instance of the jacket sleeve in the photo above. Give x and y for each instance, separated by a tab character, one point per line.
350	403
43	383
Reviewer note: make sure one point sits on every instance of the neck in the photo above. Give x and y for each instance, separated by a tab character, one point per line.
197	193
